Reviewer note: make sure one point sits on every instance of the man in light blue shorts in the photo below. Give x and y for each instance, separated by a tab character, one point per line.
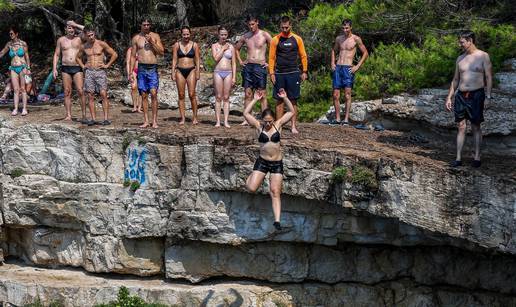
343	71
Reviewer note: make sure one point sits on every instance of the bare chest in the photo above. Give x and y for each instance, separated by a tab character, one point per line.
348	44
256	42
471	64
94	50
70	45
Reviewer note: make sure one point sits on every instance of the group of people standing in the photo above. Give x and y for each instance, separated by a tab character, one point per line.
286	66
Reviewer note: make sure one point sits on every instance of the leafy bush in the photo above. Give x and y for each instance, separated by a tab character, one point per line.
126	300
364	176
339	174
17	172
135	185
408	56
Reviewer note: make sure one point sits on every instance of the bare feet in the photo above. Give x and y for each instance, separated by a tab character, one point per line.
217	125
140	111
294	131
244	123
134	110
145	125
24	112
14	113
227	125
67	118
182	122
194	121
155	125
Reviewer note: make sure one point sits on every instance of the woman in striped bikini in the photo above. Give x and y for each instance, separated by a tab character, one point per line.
224	75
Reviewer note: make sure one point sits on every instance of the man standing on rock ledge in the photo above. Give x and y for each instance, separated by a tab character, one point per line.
285	52
95	79
343	73
254	68
148	46
67	48
473	72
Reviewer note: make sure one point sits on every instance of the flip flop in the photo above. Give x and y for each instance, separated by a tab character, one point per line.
343	123
334	123
106	123
379	127
476	163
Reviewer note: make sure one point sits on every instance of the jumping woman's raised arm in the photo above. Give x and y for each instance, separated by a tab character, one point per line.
247	112
288	115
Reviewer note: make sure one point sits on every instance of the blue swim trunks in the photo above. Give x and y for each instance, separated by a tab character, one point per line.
254	76
148	77
342	77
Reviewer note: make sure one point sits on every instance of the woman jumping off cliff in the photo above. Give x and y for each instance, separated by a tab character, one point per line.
270	159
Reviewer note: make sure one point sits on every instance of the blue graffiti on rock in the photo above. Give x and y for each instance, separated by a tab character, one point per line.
136	164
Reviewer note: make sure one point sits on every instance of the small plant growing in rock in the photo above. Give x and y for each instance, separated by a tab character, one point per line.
17	172
125	143
127	183
135	185
364	176
339	174
126	300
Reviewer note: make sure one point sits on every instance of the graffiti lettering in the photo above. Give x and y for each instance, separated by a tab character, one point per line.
136	164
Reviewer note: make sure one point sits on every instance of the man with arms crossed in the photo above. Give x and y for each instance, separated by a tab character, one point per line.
254	68
285	52
343	73
473	72
67	48
148	46
95	78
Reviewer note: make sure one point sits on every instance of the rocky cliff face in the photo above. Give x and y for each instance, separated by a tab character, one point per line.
399	229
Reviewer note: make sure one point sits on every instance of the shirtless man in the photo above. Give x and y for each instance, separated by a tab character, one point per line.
66	50
343	73
95	79
254	68
471	69
148	46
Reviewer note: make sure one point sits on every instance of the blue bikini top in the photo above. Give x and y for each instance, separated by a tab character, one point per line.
20	52
264	138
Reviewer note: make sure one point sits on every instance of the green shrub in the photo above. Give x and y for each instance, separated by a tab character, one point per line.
127	183
499	41
135	185
364	176
339	174
17	172
126	300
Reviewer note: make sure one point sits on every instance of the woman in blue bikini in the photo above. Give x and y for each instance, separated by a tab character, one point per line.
19	69
224	75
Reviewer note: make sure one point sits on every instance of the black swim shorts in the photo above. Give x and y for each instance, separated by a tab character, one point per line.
470	105
266	166
290	82
254	76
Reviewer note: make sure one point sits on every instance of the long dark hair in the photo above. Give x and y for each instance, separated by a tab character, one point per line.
268	111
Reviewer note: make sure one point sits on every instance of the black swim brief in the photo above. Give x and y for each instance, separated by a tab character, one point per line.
266	166
470	105
71	70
